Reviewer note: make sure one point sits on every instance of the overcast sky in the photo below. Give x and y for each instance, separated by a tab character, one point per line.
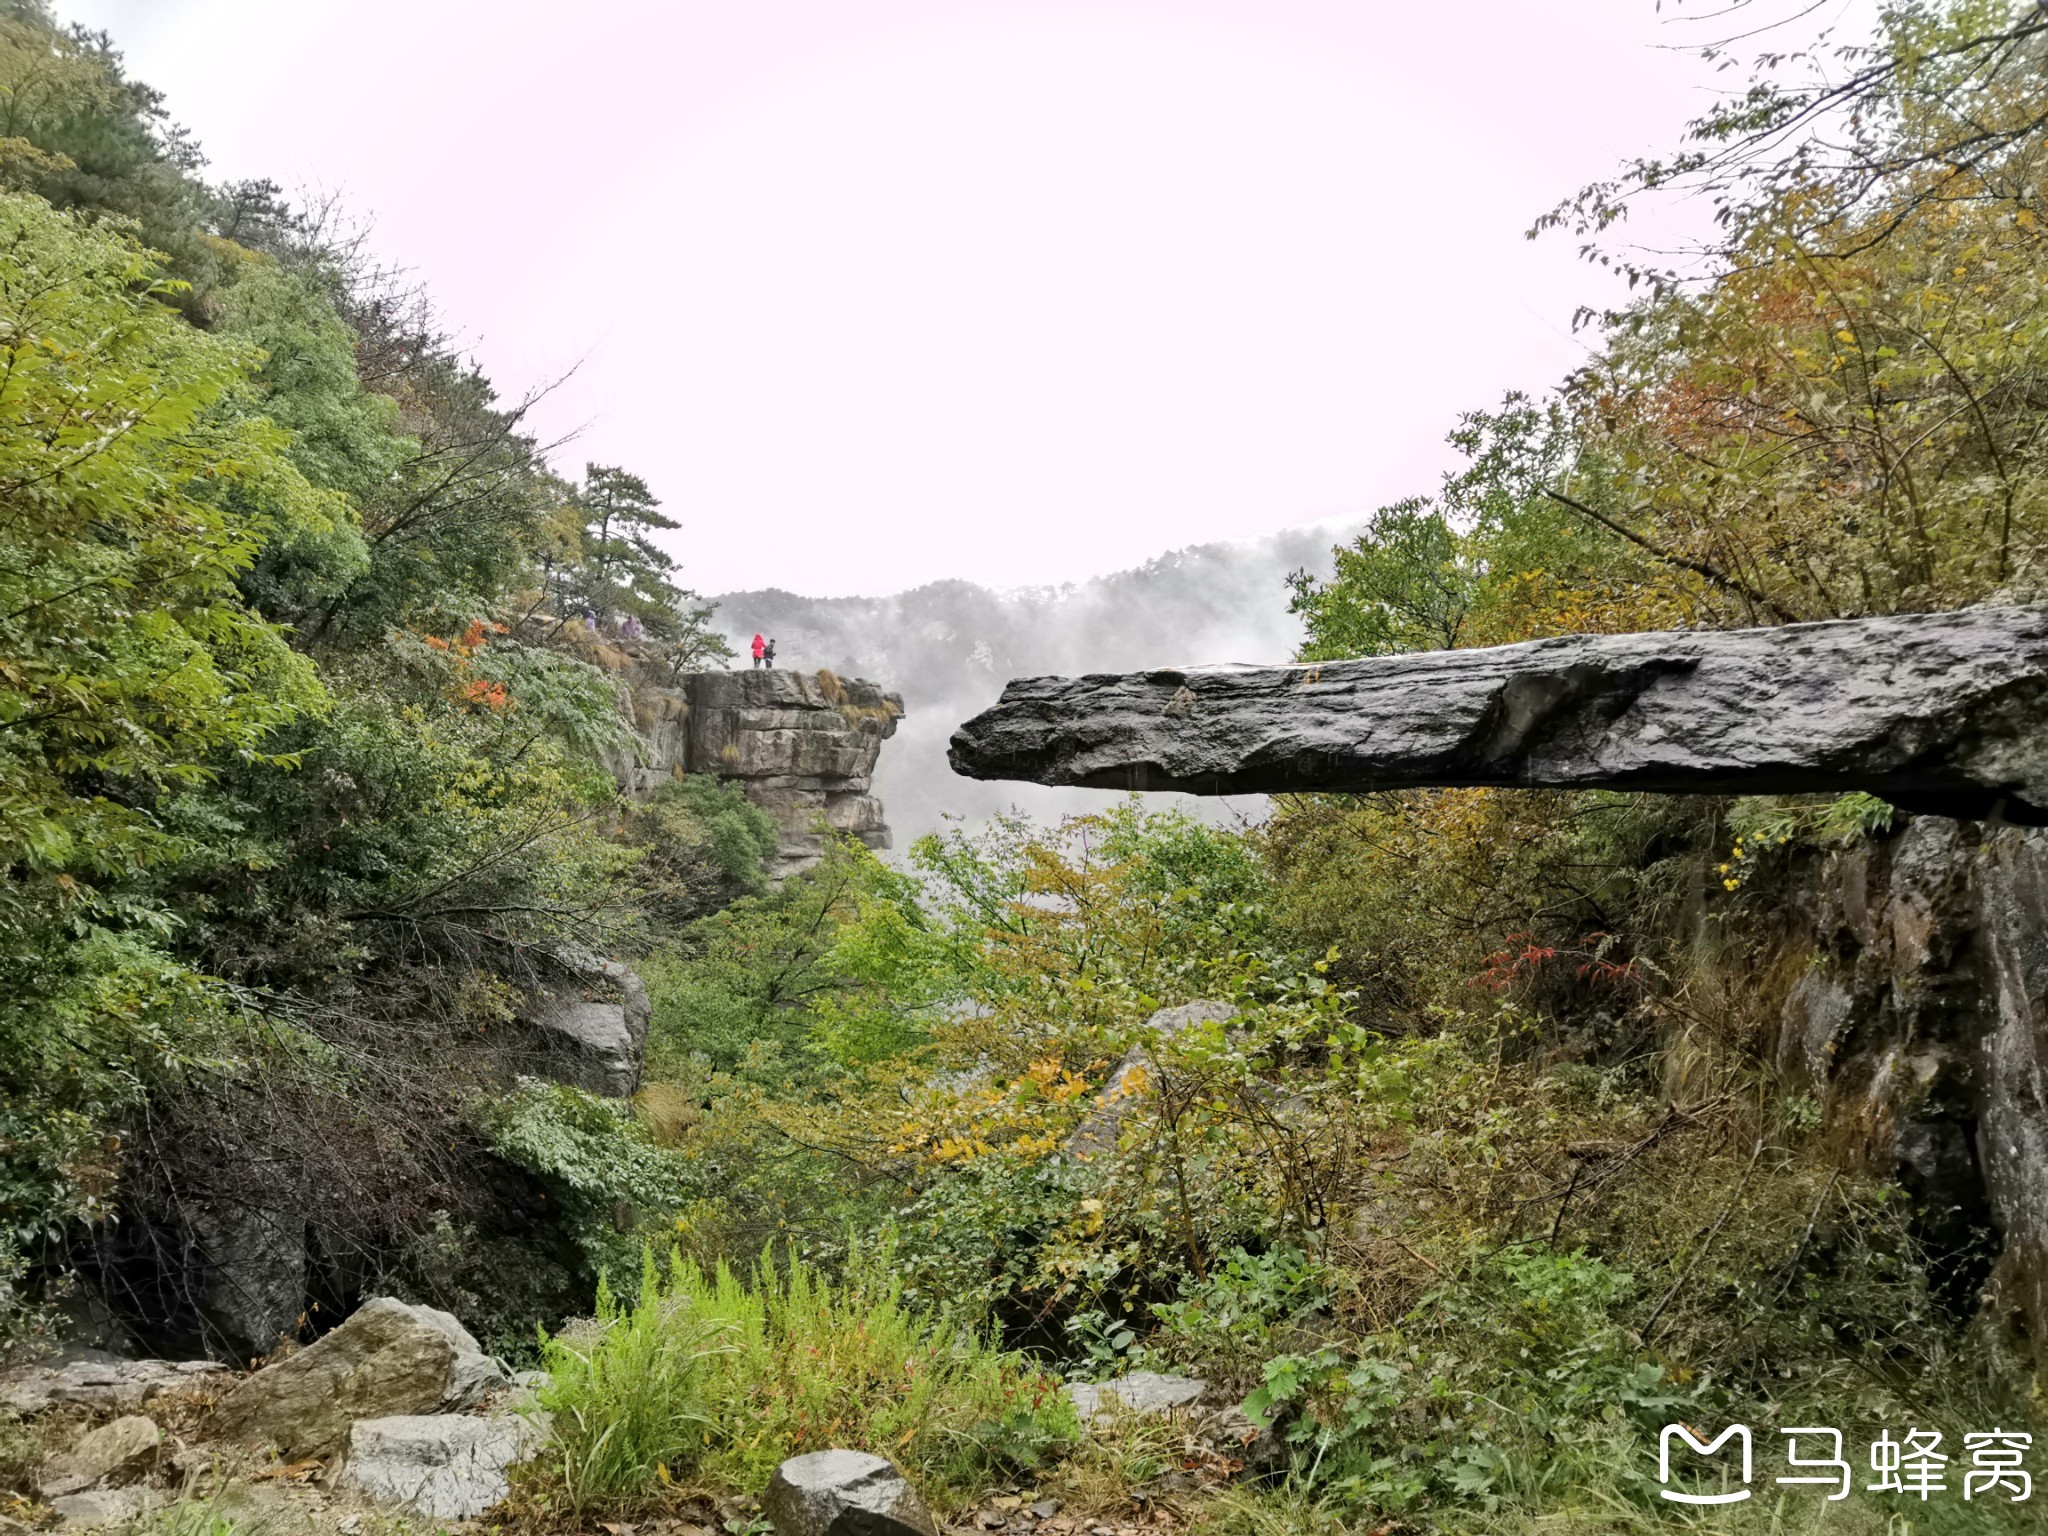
875	292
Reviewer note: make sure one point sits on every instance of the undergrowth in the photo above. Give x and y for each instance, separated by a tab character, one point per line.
705	1379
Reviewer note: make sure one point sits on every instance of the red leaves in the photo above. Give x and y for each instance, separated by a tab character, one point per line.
1524	959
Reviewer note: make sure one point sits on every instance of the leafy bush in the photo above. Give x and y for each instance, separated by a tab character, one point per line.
704	1377
1225	1325
1492	1373
602	1166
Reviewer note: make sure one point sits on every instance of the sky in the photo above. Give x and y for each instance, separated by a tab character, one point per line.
877	292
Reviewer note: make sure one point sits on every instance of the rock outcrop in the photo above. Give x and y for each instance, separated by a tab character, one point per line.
594	1026
390	1358
802	745
1938	713
1914	1007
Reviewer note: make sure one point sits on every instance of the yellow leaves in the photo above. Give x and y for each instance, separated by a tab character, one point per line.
960	1149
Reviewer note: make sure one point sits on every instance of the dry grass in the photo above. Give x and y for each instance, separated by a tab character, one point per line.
667	1111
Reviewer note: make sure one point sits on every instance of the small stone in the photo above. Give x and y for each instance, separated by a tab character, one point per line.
1236	1433
1045	1509
1141	1395
105	1506
117	1451
844	1493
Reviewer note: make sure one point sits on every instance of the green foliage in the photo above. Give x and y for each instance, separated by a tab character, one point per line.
131	671
701	1377
604	1173
131	662
1249	1308
704	845
1522	1356
769	986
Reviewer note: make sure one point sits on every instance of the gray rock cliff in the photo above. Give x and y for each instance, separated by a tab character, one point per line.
802	745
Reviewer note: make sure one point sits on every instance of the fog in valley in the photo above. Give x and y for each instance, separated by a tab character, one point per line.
950	646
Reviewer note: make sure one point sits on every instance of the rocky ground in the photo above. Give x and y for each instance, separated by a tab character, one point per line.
396	1422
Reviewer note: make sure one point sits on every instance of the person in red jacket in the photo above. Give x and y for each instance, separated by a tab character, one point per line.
760	649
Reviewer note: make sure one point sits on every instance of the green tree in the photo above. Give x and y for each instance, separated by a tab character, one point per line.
622	571
130	667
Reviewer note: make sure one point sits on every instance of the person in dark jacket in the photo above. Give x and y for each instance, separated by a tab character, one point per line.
768	656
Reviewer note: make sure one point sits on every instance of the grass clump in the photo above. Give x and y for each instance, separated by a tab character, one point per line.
705	1379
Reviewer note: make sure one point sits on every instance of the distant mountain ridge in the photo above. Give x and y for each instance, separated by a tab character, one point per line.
949	647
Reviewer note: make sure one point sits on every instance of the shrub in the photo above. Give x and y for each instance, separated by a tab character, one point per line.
703	1376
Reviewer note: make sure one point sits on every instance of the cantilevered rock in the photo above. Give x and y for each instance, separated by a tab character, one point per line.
1945	713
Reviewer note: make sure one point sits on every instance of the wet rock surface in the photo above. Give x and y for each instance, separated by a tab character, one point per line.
1918	1019
593	1024
1938	713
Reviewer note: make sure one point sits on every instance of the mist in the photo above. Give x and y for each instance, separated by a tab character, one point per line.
949	647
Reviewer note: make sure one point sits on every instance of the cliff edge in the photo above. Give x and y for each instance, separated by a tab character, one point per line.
801	745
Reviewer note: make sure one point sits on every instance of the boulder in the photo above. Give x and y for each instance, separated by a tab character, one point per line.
1141	1394
251	1275
1098	1131
844	1493
445	1466
593	1026
389	1358
1934	712
117	1452
100	1382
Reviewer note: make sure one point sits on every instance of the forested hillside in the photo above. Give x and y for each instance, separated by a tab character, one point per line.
296	791
1452	1141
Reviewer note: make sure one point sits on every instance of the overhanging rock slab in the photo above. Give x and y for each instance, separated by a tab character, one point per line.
1944	713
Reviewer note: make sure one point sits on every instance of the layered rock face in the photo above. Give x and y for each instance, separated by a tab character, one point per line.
1918	1017
1933	712
803	746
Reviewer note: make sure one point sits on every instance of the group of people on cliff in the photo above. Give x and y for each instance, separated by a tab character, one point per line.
764	653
